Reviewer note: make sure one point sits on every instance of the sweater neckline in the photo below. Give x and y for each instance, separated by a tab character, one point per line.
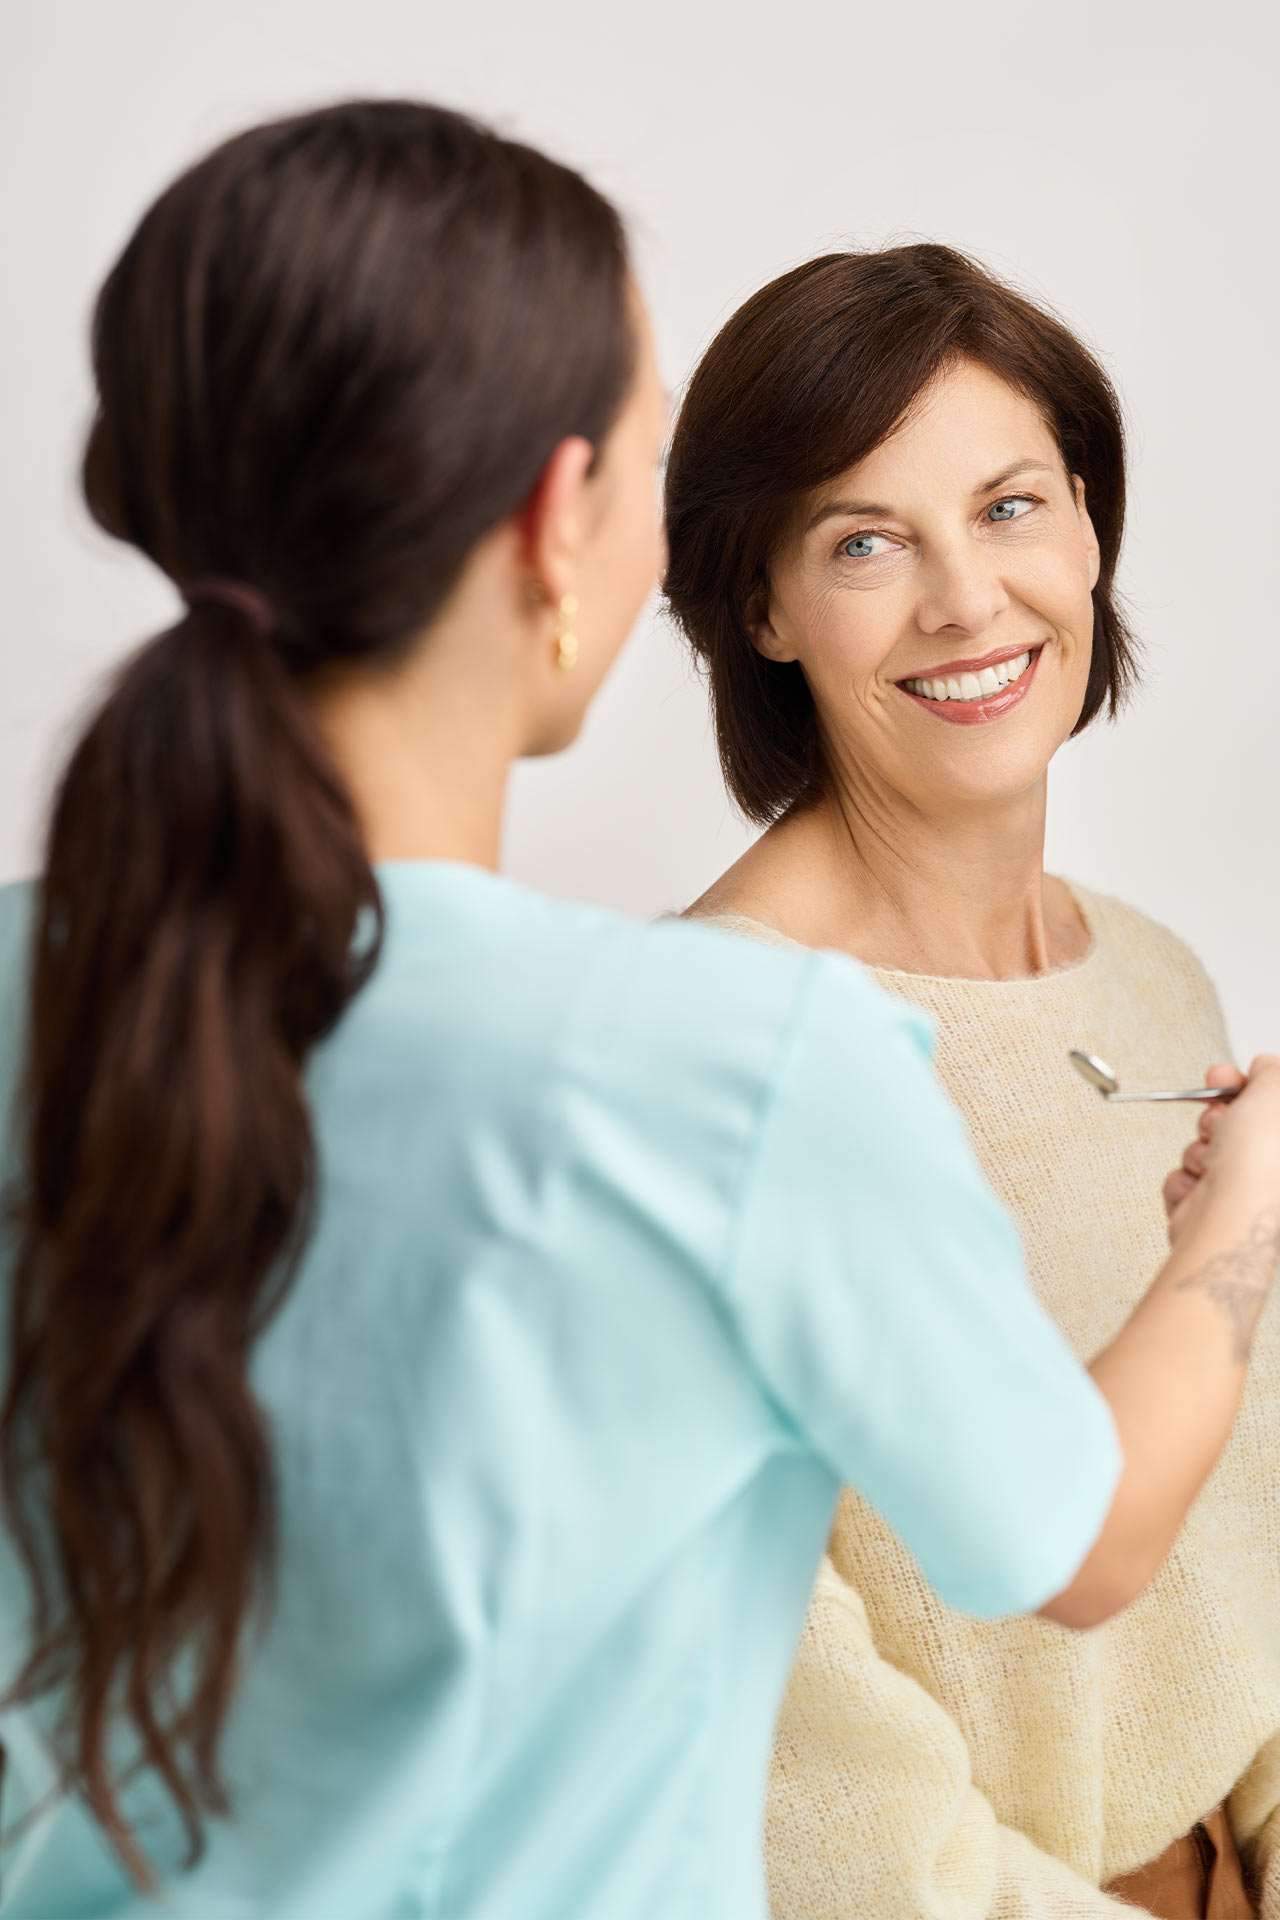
1073	969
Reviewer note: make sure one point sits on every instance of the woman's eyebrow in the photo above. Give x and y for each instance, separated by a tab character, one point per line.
1006	474
834	509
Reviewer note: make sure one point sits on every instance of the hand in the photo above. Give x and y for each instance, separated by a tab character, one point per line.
1239	1140
1184	1179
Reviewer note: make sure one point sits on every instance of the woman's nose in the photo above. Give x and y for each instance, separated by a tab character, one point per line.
961	590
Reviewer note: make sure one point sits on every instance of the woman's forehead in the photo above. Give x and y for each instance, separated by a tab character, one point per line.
969	428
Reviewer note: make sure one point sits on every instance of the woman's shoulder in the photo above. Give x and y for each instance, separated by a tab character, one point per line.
744	924
566	949
1125	929
723	987
17	903
1149	955
652	1053
478	966
17	912
17	908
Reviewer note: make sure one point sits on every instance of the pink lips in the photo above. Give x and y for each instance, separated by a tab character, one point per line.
976	713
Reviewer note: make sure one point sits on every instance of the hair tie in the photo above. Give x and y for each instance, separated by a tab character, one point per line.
240	597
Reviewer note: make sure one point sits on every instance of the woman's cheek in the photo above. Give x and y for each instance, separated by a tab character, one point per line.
849	668
1054	587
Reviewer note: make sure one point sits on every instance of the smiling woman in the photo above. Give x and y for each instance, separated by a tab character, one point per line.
928	592
895	507
781	461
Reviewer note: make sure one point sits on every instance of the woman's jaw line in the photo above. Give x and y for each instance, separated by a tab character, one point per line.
962	708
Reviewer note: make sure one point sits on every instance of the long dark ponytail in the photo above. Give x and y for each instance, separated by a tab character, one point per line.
333	355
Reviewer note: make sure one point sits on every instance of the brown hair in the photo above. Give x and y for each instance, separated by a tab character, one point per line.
810	375
333	355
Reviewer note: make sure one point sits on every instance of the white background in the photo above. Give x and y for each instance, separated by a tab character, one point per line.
1117	161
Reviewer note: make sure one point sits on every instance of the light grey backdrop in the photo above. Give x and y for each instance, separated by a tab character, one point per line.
1116	160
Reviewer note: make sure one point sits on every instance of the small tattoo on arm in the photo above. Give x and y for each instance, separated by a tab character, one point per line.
1239	1281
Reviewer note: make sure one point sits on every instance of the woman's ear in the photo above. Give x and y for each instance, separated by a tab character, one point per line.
1086	528
553	521
762	633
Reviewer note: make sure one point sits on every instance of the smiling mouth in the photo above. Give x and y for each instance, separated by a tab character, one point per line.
969	688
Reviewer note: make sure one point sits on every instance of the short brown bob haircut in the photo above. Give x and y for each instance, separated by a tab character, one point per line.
815	371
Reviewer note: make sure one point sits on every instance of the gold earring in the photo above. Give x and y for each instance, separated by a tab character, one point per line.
566	639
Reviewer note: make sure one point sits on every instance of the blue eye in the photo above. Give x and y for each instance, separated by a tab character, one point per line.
1010	509
862	546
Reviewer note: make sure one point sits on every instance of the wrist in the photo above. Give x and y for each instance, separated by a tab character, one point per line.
1230	1205
1249	1187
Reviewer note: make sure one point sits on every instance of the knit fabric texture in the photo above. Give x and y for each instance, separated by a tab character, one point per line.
933	1767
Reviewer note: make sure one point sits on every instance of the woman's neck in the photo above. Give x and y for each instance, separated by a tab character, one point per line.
425	744
960	892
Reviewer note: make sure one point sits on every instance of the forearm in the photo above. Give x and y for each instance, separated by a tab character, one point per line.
1174	1377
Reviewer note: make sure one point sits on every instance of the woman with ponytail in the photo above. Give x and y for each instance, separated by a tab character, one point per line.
439	1318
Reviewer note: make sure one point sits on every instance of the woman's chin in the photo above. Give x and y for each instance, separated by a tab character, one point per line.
998	761
985	773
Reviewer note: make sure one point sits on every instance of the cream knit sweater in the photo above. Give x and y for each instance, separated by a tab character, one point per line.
933	1767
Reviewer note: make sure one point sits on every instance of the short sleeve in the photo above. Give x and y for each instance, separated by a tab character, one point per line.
881	1294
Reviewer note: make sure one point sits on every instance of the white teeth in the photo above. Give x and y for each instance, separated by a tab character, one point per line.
972	686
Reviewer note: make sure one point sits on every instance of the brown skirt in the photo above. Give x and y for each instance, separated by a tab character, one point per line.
1199	1877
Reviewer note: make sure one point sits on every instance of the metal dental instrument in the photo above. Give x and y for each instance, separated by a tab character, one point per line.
1099	1075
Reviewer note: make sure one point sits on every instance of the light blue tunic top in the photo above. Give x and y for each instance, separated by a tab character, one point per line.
633	1242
